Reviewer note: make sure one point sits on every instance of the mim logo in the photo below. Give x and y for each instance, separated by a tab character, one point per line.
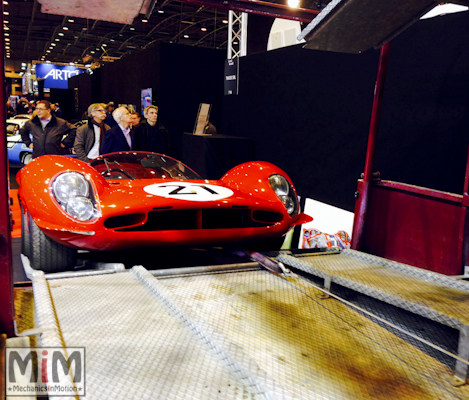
33	371
61	75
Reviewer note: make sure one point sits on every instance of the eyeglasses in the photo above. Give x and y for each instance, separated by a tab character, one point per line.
101	110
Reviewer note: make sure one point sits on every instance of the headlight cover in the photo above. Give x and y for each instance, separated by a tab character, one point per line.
75	195
284	192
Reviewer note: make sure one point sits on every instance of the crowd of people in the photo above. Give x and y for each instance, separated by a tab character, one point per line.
107	130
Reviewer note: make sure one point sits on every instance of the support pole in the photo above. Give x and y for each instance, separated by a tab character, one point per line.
6	273
360	216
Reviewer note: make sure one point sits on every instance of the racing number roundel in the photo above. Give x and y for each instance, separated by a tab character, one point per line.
189	191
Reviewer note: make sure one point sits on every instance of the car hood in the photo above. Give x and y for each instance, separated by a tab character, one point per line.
162	193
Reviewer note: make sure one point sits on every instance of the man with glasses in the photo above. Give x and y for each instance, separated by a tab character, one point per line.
90	136
51	135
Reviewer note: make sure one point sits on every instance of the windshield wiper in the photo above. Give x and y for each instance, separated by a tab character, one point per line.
129	174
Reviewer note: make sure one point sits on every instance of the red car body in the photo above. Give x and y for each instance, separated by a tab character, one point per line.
167	210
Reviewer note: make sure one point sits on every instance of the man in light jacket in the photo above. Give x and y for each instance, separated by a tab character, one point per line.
90	136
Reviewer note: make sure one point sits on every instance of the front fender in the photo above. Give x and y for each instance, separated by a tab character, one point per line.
35	192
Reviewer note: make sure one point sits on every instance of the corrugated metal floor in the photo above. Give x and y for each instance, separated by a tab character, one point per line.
234	335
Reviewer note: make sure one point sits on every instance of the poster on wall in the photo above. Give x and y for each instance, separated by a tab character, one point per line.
56	77
202	119
146	98
331	226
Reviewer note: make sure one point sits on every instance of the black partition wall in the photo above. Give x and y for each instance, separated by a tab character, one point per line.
309	111
181	77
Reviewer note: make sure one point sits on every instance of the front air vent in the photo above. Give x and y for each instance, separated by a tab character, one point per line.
124	220
216	218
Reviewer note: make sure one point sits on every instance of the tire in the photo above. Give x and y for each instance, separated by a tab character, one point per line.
26	158
24	233
46	254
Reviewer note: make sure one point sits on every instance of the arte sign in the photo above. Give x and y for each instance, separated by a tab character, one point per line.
56	77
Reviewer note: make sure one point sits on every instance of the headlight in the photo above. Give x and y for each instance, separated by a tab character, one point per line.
73	192
284	192
279	184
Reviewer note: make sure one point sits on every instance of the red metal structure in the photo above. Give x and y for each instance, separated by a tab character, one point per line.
6	275
413	225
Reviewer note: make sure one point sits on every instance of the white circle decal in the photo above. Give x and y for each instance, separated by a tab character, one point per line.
189	191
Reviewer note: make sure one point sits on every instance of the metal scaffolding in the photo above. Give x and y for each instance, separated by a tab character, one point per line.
237	34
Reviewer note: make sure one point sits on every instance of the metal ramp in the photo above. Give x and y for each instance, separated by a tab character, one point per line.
228	335
431	295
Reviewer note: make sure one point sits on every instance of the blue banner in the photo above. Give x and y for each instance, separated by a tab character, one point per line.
56	77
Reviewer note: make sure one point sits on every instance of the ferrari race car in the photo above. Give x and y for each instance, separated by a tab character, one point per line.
138	199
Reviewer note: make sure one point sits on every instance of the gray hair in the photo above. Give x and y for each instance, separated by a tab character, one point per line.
117	113
94	107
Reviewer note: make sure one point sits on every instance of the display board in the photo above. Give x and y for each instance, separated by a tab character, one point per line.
202	118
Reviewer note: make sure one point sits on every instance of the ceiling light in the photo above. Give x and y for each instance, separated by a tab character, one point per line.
57	40
92	52
64	28
186	36
225	21
7	34
132	28
443	9
8	56
293	3
53	44
71	20
104	44
7	47
160	11
71	63
144	20
61	34
6	13
7	39
6	28
6	22
5	3
47	51
203	29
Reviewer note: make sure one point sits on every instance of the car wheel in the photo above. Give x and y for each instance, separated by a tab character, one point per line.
24	233
46	254
26	158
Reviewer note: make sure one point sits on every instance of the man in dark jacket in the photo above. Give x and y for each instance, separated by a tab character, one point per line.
109	119
121	137
151	135
51	135
90	136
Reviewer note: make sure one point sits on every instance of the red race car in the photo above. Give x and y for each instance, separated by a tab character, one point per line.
138	199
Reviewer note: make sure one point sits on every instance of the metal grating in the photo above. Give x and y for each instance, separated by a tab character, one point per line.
234	335
426	293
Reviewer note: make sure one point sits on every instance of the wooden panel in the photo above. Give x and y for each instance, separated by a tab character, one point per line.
415	226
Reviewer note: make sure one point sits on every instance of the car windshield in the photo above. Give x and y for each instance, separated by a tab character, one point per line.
141	165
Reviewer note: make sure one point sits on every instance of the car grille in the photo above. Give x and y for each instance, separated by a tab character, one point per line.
170	220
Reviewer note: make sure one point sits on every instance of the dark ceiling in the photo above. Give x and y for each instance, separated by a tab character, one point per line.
37	36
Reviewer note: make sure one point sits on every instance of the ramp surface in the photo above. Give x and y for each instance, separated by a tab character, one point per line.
233	335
